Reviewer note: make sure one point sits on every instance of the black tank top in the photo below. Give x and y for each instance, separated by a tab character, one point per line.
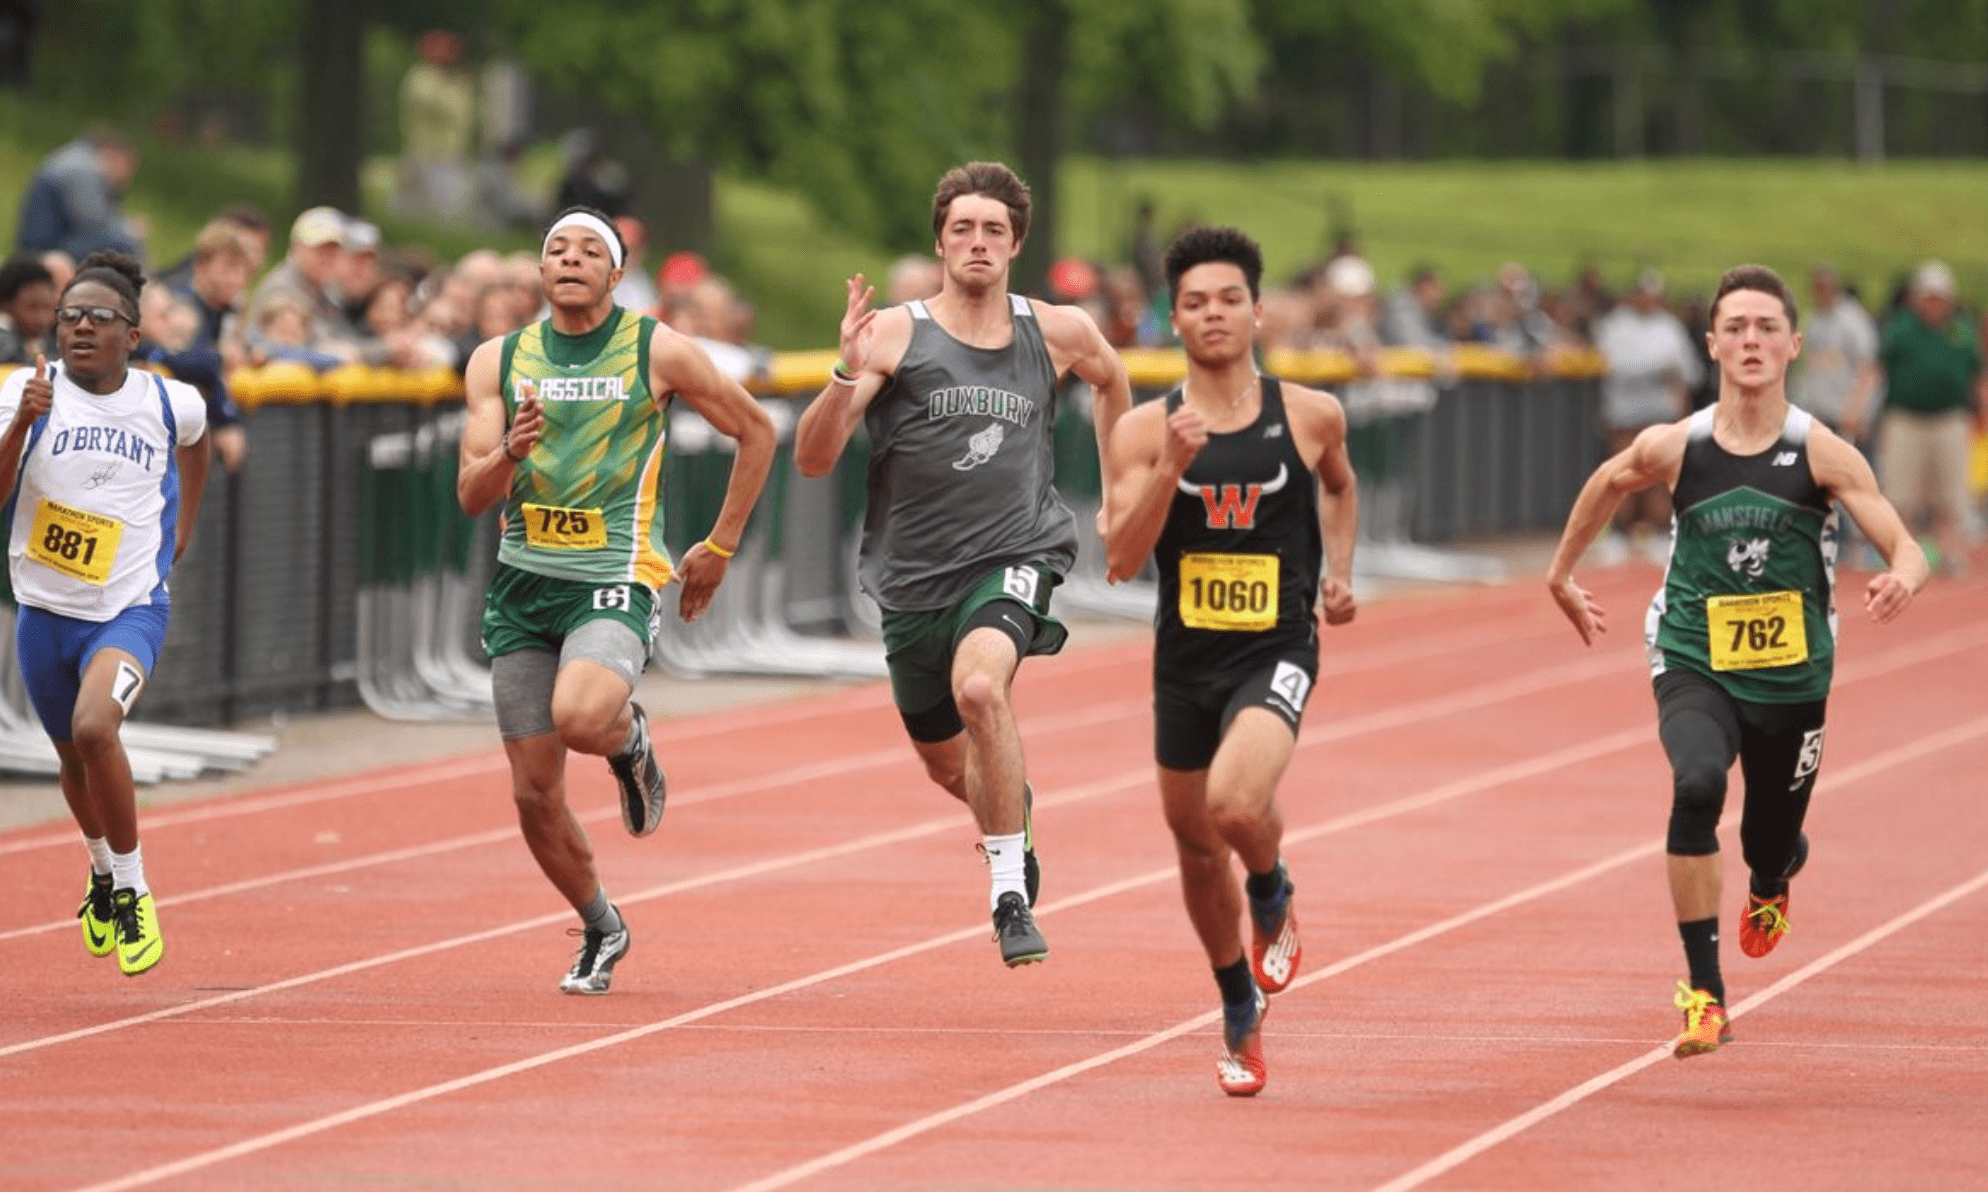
1240	555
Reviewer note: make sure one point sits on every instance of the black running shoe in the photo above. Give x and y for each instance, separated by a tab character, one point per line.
593	965
641	779
1015	931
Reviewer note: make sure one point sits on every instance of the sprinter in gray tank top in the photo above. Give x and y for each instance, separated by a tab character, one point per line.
964	536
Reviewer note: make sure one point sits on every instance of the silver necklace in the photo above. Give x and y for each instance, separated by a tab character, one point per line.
1236	401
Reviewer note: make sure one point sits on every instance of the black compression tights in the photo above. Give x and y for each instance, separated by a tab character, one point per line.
1778	747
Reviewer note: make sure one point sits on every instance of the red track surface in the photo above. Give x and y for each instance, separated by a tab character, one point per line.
359	988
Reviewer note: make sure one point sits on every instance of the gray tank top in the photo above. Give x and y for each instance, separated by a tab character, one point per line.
962	466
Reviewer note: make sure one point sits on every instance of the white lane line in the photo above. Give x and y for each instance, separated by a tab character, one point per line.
1877	764
1482	636
1459	1155
1127	781
1035	730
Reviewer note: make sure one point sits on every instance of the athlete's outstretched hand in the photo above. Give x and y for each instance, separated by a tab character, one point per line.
1336	599
1579	605
527	424
700	571
1886	596
856	321
37	395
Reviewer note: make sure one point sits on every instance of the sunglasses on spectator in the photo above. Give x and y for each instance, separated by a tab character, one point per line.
102	316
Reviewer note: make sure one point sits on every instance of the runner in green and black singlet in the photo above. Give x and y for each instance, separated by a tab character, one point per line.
1749	596
1742	636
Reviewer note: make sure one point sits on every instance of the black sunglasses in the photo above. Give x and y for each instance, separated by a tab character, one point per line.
102	316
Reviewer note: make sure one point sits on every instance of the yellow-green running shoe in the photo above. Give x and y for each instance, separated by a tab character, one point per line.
98	932
139	944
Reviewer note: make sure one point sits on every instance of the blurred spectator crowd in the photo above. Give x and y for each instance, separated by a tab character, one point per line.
338	296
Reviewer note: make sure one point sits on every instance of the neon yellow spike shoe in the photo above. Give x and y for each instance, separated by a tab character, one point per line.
1705	1025
139	944
95	914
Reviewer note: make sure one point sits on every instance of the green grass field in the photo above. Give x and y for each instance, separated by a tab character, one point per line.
1691	219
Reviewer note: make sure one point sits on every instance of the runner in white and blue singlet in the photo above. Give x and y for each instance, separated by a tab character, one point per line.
102	467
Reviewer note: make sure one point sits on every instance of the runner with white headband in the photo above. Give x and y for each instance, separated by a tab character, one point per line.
566	432
590	222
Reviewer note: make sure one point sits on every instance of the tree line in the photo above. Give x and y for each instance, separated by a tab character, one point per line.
859	106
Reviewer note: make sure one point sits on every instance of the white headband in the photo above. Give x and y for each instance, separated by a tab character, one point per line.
580	219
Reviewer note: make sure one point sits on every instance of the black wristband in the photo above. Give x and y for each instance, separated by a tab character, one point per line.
516	459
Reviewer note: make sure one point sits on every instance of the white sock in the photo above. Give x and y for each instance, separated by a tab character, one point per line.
1004	860
99	854
127	871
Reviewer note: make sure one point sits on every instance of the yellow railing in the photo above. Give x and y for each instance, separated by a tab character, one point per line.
795	374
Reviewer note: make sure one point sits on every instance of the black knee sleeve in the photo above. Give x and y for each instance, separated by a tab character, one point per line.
1699	725
1698	796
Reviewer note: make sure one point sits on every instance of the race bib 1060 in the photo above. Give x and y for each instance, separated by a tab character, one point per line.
1228	592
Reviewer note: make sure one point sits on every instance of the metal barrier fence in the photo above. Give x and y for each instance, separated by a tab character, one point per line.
335	569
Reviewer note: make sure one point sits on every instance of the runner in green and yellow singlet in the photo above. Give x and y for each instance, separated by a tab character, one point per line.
566	429
1742	635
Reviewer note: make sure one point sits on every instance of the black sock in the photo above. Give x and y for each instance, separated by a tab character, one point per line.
1701	952
1265	886
1767	892
1235	982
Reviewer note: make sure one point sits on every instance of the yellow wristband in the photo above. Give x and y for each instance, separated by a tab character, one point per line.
720	551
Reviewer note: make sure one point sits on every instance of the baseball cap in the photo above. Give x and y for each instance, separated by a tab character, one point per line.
317	226
1350	277
1933	277
682	269
1073	278
361	236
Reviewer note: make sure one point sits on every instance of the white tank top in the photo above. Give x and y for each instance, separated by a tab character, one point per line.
95	508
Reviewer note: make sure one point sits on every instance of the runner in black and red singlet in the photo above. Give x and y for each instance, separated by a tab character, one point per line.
1239	487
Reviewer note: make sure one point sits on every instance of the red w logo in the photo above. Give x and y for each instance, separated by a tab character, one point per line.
1232	506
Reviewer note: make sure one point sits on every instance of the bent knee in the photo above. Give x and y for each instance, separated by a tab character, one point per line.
951	777
538	800
587	726
980	698
94	734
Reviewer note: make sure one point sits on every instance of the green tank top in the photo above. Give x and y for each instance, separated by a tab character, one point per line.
586	504
1749	595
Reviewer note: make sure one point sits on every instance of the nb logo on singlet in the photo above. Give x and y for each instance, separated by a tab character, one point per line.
1233	506
1784	460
